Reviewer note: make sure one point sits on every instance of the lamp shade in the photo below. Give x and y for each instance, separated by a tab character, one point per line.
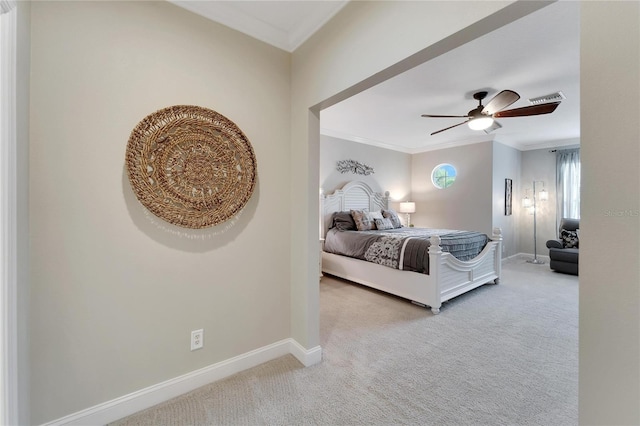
407	207
480	123
544	195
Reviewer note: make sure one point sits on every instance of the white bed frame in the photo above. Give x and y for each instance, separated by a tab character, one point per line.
448	277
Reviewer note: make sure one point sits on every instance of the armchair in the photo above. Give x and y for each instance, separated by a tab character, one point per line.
563	252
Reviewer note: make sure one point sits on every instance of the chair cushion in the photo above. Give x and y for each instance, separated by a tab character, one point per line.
569	255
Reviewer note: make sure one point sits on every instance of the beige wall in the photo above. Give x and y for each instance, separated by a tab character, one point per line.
116	291
93	296
610	215
464	205
392	169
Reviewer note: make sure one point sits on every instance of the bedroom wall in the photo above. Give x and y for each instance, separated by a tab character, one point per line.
610	279
392	169
115	292
361	46
467	204
506	164
538	165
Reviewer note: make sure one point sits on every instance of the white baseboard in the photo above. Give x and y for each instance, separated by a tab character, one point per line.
140	400
307	357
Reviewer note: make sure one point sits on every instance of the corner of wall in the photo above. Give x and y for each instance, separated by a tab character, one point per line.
23	136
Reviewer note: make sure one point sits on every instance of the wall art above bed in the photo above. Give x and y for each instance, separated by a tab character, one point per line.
355	167
191	166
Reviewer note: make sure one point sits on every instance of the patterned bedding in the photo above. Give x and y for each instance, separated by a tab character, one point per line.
403	248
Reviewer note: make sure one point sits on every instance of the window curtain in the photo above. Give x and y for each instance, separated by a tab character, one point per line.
567	184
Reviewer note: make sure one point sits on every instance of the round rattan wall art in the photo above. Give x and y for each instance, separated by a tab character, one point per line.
191	166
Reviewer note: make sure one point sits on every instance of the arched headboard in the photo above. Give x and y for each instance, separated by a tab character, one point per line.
354	195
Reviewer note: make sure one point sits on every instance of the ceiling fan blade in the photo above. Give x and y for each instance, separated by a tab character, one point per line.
500	101
444	116
494	126
528	110
450	127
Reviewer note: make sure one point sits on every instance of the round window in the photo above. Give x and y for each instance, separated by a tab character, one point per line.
443	176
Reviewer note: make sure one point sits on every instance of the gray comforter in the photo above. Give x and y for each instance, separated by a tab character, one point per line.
403	248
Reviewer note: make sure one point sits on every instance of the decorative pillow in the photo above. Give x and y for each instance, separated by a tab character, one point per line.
363	220
569	238
376	215
344	221
393	217
383	224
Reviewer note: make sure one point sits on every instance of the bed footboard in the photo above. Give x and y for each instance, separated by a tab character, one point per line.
454	277
448	277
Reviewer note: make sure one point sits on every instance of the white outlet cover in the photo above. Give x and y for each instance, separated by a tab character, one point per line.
197	339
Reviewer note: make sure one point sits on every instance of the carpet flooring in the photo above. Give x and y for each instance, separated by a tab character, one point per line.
502	354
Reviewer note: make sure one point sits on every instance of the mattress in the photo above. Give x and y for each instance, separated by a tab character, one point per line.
403	248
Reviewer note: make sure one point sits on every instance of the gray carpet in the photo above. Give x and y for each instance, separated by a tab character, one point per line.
502	354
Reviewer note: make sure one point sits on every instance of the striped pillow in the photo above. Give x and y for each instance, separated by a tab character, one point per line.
383	224
393	217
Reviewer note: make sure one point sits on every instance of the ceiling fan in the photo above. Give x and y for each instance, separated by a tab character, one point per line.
482	117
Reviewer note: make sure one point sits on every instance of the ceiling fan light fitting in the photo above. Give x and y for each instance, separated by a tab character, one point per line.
480	123
482	117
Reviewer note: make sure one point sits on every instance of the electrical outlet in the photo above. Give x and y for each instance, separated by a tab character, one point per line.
197	339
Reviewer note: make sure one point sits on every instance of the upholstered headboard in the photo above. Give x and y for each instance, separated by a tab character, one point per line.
353	195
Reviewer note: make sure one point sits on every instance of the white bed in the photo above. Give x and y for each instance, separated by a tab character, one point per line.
448	277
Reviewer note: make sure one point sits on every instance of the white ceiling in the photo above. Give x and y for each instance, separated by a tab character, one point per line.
534	56
283	24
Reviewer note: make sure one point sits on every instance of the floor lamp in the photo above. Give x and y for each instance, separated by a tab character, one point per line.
544	196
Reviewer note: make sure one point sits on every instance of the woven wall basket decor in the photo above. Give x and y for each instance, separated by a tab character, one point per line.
191	166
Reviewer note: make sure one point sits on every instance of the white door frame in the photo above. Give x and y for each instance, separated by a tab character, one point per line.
8	219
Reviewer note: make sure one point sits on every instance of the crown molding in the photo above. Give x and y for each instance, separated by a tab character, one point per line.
226	13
